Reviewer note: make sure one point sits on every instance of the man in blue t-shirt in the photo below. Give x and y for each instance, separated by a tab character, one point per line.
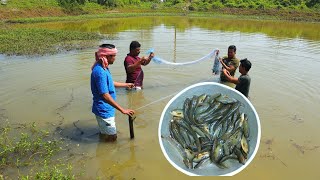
104	94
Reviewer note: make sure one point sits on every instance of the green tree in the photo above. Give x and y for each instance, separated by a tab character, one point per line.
71	1
72	6
312	3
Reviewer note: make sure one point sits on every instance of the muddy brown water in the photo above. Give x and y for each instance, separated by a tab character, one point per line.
54	91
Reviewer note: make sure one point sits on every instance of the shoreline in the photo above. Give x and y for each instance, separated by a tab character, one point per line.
55	43
57	14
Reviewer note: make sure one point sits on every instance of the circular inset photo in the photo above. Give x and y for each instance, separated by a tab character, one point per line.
209	129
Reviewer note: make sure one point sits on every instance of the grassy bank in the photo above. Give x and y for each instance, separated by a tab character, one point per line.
286	10
36	41
26	16
223	13
89	16
43	41
27	152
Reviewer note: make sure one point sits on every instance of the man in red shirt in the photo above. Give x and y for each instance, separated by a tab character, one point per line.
132	64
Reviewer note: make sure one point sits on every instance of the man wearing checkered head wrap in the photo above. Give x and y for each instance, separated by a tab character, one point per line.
104	94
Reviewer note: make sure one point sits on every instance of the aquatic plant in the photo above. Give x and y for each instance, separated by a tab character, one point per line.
32	154
44	41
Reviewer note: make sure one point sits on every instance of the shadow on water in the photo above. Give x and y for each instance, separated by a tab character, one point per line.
85	130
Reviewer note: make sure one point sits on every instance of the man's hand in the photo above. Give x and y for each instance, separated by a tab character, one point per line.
129	112
151	55
144	60
129	85
229	77
226	72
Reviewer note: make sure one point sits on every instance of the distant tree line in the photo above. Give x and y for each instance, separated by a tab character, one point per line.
72	5
203	5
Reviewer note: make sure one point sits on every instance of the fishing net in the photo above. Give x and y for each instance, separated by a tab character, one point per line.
211	55
217	66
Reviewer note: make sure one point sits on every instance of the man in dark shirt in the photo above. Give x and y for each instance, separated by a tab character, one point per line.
132	64
230	63
243	82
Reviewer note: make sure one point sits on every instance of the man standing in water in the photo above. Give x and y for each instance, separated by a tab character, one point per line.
243	82
132	64
104	94
230	63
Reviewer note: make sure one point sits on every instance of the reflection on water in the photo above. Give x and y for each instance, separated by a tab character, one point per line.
275	29
55	91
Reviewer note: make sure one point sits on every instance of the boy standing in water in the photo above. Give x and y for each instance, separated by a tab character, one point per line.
243	82
132	64
104	94
230	63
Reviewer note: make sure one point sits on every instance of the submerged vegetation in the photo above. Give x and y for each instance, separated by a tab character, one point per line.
43	41
34	154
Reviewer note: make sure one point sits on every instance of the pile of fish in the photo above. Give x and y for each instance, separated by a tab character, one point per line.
210	129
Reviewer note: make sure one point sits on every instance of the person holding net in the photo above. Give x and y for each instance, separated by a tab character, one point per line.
230	63
132	64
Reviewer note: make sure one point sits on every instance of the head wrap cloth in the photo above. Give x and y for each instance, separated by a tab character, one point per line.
100	55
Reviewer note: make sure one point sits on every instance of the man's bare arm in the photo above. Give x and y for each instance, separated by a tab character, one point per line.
124	85
114	104
229	77
229	68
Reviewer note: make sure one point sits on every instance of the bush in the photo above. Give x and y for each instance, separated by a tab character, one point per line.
230	5
154	6
203	6
192	7
242	5
313	3
217	5
252	6
117	3
72	6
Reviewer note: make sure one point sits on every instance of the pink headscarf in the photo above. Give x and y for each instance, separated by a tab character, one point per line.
100	55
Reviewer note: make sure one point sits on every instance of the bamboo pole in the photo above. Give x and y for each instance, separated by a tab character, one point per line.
131	118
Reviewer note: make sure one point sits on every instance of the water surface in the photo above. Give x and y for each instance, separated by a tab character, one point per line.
54	91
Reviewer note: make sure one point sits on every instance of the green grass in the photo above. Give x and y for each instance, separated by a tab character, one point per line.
93	7
91	16
43	41
31	153
30	4
140	14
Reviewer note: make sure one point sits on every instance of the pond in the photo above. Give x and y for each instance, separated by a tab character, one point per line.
54	91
